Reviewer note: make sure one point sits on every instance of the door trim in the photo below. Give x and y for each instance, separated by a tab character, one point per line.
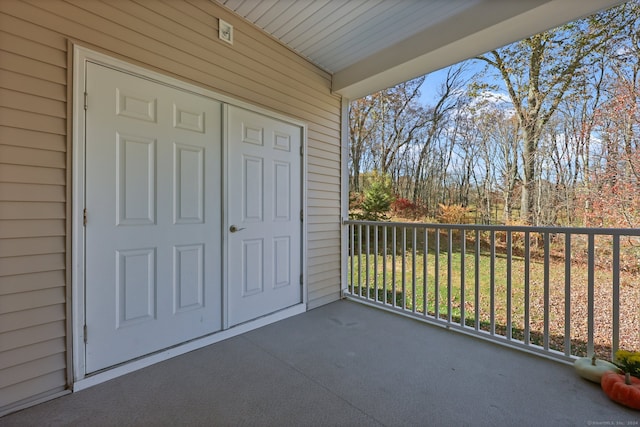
81	56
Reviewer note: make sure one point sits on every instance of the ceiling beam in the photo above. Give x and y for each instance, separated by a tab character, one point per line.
488	25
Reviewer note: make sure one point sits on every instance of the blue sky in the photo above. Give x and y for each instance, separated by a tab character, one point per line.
431	86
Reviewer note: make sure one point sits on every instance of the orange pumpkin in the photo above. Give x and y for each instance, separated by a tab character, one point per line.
623	389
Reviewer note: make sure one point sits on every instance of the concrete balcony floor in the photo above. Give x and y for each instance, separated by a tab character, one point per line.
344	364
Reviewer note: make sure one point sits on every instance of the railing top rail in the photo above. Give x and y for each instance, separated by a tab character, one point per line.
518	228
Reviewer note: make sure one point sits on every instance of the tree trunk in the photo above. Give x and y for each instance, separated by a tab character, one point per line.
527	201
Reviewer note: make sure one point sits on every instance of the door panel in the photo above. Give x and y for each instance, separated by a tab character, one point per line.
153	233
264	187
136	180
135	286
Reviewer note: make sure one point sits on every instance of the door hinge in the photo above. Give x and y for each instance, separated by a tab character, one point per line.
84	217
301	215
301	150
301	280
84	332
86	100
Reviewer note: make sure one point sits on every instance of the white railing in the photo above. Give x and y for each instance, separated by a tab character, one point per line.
559	292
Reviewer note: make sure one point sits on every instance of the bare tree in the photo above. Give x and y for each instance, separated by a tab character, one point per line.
537	73
400	117
436	121
499	141
361	130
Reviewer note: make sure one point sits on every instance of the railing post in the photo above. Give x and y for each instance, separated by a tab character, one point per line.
384	264
567	294
591	263
527	290
393	266
413	270
425	276
492	284
375	263
476	325
366	258
360	260
404	268
463	252
449	274
615	323
352	250
509	284
436	302
547	259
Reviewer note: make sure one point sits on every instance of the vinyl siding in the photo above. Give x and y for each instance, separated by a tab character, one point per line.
174	37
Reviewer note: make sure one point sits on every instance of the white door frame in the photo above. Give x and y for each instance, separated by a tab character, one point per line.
81	56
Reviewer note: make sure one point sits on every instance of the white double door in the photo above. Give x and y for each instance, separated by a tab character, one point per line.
154	233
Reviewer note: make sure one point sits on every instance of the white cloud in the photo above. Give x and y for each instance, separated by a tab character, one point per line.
492	100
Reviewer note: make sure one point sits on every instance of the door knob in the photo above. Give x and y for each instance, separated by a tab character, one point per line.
233	229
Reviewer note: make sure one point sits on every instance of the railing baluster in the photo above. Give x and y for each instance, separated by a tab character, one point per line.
527	290
352	249
449	273
436	302
546	290
384	264
393	267
360	260
509	284
591	263
366	258
567	294
492	284
425	277
615	339
404	268
375	263
476	296
463	252
413	270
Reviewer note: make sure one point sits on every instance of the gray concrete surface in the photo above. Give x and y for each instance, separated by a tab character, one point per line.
344	364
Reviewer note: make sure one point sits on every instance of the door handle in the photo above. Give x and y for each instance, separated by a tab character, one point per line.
233	229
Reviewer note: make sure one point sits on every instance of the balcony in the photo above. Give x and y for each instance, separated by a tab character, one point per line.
528	301
342	364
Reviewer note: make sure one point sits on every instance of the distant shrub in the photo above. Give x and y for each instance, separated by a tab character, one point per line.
377	200
404	208
452	214
401	204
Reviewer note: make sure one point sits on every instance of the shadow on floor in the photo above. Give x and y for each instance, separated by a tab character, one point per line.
344	364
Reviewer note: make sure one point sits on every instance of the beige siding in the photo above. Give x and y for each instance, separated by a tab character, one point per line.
175	37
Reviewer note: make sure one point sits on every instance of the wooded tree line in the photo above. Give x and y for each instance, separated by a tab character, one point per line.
544	131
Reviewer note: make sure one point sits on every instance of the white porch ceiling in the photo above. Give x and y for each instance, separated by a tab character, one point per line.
369	45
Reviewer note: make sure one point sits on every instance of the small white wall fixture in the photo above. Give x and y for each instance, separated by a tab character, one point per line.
225	31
